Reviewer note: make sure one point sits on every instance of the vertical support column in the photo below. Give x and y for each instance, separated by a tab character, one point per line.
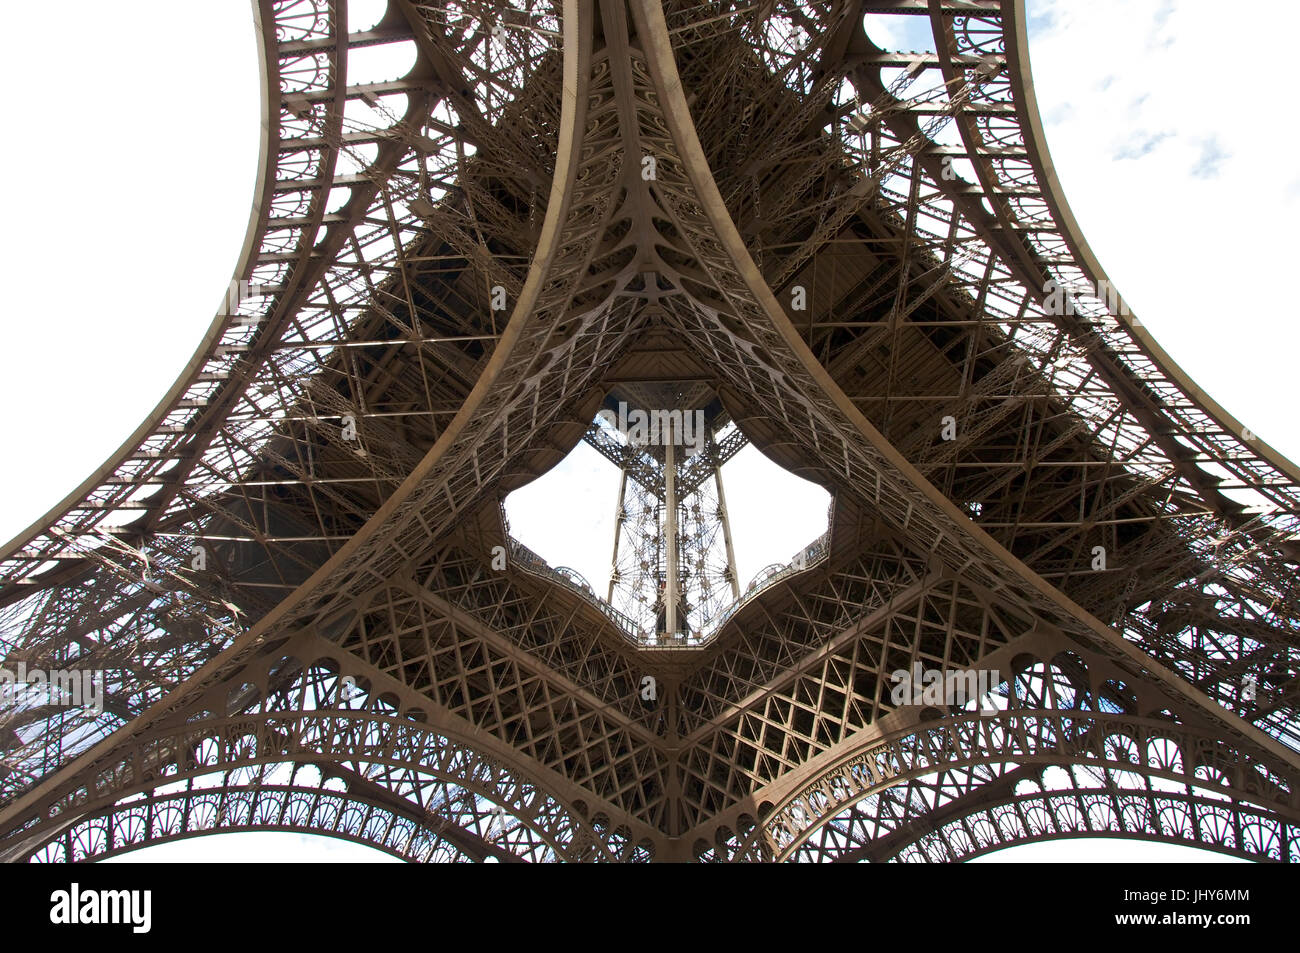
726	523
672	585
618	531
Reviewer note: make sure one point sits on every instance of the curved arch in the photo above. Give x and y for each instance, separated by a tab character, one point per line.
150	821
268	68
1020	807
1017	51
385	759
974	754
272	25
1205	823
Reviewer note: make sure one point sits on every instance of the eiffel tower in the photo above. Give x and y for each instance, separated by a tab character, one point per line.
299	600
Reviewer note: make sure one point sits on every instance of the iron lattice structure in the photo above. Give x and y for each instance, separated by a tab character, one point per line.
287	572
674	564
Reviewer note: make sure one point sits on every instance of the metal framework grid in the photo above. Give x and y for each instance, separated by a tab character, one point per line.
289	574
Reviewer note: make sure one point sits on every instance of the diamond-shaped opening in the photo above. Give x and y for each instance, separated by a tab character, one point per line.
602	520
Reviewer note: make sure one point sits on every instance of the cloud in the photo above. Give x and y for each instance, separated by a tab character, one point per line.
1141	146
1212	156
1165	169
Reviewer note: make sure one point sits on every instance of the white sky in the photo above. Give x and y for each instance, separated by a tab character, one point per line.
131	158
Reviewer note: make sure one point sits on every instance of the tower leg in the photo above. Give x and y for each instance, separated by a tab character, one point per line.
618	530
726	530
672	585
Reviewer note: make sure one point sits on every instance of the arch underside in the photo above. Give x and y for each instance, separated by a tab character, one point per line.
259	808
466	811
354	665
976	784
1229	828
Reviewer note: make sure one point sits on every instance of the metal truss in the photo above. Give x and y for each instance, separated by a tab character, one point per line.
298	582
670	497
